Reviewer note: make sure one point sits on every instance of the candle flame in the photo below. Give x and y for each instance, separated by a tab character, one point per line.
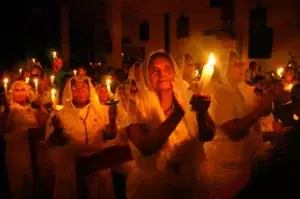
35	80
280	71
211	63
295	117
33	60
20	70
27	80
59	107
54	54
5	80
53	91
75	72
108	82
196	73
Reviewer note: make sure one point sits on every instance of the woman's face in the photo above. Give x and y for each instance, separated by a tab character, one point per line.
161	73
36	72
81	92
103	94
19	93
236	69
189	71
81	72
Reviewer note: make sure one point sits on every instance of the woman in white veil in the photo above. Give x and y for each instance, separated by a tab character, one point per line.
82	122
169	173
17	118
235	111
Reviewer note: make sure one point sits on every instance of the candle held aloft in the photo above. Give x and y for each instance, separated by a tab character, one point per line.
74	72
52	77
36	85
280	72
20	70
5	82
108	86
196	73
54	54
207	72
27	80
53	97
33	60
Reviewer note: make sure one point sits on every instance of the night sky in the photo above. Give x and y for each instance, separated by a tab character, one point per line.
29	29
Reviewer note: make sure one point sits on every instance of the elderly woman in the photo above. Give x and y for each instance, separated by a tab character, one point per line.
17	118
170	171
82	122
236	111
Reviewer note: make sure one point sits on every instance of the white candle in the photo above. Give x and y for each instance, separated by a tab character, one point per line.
280	72
54	54
20	70
207	72
52	77
36	85
74	72
5	82
196	73
27	80
33	60
53	97
108	82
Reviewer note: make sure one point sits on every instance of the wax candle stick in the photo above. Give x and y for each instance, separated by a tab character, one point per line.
108	86
36	85
74	72
52	77
53	97
5	82
207	72
27	80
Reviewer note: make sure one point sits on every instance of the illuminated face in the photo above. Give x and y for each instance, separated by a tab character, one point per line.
236	69
19	93
81	91
81	72
57	65
36	71
103	94
189	71
161	73
289	76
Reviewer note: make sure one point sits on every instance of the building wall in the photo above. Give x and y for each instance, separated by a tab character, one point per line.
284	17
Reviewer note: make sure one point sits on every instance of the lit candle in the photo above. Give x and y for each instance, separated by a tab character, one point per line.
33	60
288	87
207	72
54	54
280	72
27	80
36	85
20	70
53	97
196	73
108	82
74	72
59	107
52	77
5	82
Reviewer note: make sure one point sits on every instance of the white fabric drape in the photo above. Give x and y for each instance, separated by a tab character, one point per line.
153	176
84	128
17	153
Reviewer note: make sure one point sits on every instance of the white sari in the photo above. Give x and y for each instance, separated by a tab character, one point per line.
20	119
230	160
153	176
84	128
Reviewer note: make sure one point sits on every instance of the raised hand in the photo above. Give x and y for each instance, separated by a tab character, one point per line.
200	103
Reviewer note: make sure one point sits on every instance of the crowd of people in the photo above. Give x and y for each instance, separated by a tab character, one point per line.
230	140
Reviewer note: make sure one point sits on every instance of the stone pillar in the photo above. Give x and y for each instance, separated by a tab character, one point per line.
116	32
64	21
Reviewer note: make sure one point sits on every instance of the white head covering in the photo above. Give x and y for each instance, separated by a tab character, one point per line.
67	97
30	95
153	114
